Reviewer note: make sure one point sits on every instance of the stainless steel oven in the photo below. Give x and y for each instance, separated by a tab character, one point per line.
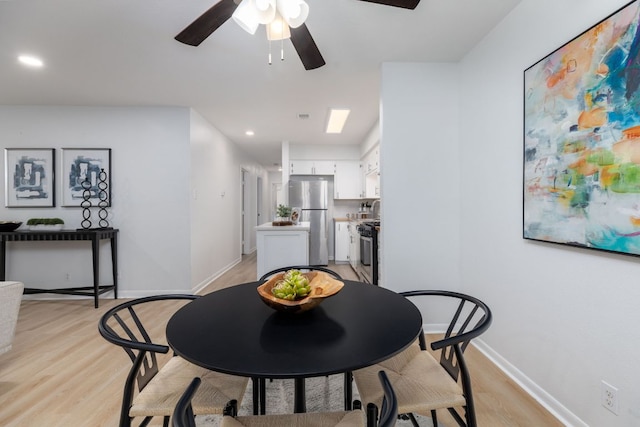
368	267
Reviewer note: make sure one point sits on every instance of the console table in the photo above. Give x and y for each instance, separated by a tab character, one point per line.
93	235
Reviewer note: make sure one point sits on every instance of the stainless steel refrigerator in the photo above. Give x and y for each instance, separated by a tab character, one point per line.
311	194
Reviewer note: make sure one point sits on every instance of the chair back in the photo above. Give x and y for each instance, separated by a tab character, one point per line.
10	299
389	410
183	414
303	268
471	319
122	326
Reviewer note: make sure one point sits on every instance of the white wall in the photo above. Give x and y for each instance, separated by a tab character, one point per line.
216	232
150	196
420	178
565	318
169	170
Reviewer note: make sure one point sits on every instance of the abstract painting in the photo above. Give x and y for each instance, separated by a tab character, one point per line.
83	170
29	177
582	139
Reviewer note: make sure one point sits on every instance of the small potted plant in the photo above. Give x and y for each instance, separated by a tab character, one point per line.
45	224
283	216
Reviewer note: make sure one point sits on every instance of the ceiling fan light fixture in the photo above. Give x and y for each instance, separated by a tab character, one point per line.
278	29
246	16
265	9
294	12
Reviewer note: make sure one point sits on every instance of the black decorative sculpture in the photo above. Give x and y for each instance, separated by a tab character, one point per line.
86	204
103	196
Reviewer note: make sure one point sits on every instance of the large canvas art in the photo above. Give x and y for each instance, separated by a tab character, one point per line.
582	139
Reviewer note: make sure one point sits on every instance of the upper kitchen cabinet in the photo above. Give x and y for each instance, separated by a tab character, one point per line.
372	160
311	167
347	182
371	175
372	185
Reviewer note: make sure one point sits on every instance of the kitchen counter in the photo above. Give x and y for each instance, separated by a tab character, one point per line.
281	246
268	226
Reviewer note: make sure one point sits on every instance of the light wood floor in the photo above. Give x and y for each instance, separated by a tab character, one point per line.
61	372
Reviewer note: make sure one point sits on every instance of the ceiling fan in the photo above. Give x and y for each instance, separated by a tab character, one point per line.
305	46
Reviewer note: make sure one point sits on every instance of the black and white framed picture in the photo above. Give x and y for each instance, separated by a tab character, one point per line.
29	177
86	172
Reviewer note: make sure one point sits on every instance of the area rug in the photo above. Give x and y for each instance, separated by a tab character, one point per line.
323	394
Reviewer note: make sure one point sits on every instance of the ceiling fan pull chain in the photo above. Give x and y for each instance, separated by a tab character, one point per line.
269	52
282	50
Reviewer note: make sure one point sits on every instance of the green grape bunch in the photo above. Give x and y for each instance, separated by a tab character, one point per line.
293	285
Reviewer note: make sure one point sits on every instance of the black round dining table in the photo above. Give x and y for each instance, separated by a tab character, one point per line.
233	331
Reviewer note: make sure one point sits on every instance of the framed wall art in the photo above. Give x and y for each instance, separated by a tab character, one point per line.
86	171
29	177
582	139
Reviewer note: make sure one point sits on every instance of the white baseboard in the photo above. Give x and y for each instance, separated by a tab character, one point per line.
552	405
536	392
206	282
126	294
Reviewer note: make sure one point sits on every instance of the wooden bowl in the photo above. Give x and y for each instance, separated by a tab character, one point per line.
322	285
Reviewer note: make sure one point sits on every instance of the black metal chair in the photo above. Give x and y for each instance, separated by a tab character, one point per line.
301	268
389	409
151	390
183	415
424	384
387	415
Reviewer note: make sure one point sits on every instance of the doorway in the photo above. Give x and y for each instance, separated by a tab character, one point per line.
277	198
244	217
259	219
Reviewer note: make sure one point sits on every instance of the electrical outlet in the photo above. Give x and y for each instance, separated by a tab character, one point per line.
609	397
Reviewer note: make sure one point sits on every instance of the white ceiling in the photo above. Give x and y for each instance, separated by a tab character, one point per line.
123	53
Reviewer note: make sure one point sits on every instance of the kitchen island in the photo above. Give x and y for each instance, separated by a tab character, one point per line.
281	246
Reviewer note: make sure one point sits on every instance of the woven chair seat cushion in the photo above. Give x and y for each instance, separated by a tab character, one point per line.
420	382
354	418
161	395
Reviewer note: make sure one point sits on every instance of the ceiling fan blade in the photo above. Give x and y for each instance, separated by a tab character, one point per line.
305	46
207	23
405	4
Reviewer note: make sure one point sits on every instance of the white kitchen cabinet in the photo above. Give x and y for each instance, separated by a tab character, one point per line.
312	167
371	173
281	246
372	160
342	241
372	185
354	246
347	183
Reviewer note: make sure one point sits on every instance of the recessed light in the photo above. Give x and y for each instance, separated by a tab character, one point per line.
30	61
337	119
249	133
